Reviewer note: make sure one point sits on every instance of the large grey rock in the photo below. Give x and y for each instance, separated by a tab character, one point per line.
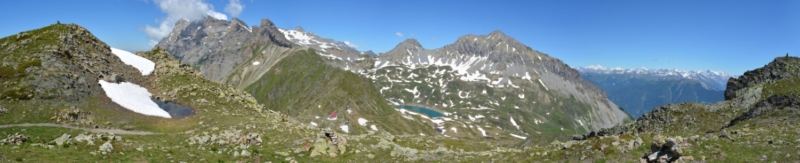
106	147
64	139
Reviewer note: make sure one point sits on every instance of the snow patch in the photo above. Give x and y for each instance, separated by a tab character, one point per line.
345	128
143	64
517	136
514	123
133	97
545	87
373	127
362	121
483	132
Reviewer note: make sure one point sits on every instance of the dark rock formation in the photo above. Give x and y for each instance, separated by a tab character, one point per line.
780	68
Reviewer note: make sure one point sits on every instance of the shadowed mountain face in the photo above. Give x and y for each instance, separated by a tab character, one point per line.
638	91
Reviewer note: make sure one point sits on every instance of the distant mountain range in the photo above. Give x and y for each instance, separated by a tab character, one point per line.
640	90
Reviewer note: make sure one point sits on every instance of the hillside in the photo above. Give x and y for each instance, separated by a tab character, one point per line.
304	87
484	83
638	91
757	122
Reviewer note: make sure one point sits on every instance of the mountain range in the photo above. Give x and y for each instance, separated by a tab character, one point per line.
639	90
254	95
493	77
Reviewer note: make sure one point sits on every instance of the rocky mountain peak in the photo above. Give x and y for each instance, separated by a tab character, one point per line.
267	23
410	43
299	29
237	20
780	68
497	33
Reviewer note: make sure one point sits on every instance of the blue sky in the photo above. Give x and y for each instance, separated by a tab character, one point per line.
731	36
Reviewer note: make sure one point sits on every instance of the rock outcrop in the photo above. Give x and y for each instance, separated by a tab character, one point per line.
16	139
61	61
780	68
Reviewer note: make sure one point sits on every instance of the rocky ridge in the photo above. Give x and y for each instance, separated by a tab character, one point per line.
62	61
484	73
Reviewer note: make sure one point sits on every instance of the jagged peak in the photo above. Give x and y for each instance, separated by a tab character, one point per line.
267	23
410	42
299	29
239	21
497	33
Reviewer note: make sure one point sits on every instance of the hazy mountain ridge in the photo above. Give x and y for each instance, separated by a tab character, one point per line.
716	79
640	90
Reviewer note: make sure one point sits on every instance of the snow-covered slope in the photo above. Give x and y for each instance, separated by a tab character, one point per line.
489	76
133	97
143	64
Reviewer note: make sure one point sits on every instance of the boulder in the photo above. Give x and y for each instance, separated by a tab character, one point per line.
106	147
3	110
64	139
16	139
244	153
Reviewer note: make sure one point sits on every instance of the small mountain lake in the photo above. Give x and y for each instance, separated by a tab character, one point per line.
429	112
175	111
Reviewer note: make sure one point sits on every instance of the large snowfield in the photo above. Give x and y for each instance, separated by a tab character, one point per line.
143	64
133	97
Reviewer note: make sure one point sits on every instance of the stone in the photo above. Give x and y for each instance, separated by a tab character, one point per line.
578	137
631	145
676	151
16	139
282	153
670	142
663	159
370	156
106	147
687	158
568	144
638	142
64	139
658	141
245	153
652	157
3	110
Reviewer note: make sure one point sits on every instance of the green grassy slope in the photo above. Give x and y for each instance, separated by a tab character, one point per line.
304	87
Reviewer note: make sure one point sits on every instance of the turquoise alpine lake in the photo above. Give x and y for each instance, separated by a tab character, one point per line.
429	112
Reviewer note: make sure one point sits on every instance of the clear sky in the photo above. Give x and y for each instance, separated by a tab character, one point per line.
731	36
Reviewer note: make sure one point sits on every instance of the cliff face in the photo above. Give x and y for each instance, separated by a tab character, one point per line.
216	47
